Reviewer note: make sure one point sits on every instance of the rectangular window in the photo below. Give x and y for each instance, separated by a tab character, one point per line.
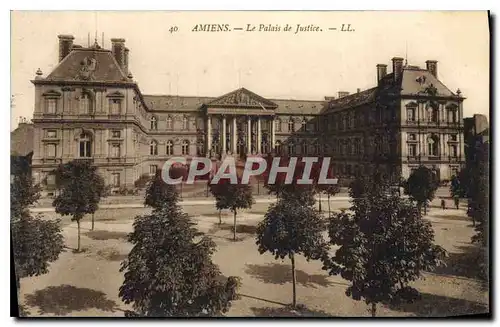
412	137
410	114
84	104
51	106
115	150
152	169
51	179
51	134
453	150
51	150
115	105
412	150
116	179
453	137
116	134
278	125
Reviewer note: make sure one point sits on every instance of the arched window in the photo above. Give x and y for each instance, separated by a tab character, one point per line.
169	148
153	123
169	122
85	146
291	125
185	147
277	124
185	122
153	148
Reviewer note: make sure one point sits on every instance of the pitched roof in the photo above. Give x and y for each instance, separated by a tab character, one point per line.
304	107
420	82
93	64
414	81
355	99
174	102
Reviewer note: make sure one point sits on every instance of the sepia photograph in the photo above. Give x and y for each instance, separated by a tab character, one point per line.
218	164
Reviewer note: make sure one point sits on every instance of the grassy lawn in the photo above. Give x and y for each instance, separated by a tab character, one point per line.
87	283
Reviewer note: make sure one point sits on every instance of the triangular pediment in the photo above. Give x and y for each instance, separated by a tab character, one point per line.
242	98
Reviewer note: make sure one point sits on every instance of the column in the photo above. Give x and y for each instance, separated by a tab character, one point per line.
273	137
259	136
249	135
234	137
209	136
223	151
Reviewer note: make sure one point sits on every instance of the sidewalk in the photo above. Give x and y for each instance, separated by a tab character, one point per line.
186	202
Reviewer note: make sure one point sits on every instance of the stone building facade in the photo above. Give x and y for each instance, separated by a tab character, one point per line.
90	108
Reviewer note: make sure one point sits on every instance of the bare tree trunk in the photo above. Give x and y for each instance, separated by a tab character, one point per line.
294	281
425	208
258	186
220	218
319	194
374	310
78	247
92	221
329	210
234	227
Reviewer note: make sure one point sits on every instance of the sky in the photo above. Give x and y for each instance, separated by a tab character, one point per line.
168	57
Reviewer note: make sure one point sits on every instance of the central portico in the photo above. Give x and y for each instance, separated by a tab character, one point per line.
240	123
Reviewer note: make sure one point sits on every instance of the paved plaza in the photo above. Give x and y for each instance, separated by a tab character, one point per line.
87	283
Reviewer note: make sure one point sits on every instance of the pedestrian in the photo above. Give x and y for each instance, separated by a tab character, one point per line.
457	202
443	204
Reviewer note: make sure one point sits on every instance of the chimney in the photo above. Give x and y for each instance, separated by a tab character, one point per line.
125	61
343	94
65	45
118	50
381	71
397	67
432	67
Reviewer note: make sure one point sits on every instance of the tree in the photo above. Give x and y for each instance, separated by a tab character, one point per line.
383	244
142	181
179	172
234	197
421	187
35	242
289	228
329	189
81	189
478	204
159	192
217	190
168	273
